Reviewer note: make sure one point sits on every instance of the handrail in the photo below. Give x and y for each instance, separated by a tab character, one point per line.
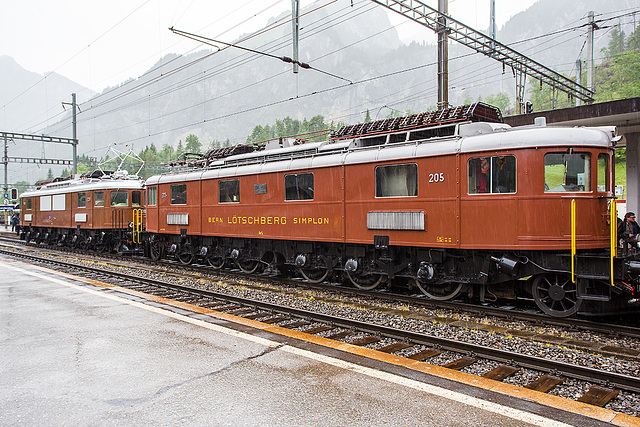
573	240
137	225
614	234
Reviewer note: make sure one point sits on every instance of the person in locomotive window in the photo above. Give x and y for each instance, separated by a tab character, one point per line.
628	231
501	175
485	166
492	174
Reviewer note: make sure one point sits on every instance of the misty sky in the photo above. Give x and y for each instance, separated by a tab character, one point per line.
102	43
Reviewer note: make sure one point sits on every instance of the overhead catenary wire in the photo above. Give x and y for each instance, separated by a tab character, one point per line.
287	59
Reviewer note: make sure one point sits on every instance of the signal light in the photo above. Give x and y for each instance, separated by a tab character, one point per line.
529	107
14	194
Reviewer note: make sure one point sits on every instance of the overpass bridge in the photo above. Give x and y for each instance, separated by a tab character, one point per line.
624	114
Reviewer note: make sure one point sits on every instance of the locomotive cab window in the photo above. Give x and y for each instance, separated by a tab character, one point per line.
82	200
119	198
99	198
153	191
229	191
397	180
136	198
567	171
298	186
604	183
492	174
179	194
28	203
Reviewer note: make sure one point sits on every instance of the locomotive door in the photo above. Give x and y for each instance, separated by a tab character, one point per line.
488	207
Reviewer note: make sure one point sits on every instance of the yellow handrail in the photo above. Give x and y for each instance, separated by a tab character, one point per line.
614	234
137	225
573	240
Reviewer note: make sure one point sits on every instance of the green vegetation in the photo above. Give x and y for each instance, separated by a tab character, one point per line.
306	129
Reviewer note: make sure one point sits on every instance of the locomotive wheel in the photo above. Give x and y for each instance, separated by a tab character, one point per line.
185	254
156	251
217	262
316	273
75	243
556	295
366	282
248	267
440	292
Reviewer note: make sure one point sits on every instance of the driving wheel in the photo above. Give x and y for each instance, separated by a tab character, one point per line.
366	282
316	273
185	254
556	295
248	266
440	291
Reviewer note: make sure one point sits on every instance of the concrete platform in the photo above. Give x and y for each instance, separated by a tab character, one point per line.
73	352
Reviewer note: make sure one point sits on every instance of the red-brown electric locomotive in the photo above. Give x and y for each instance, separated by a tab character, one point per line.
101	210
451	202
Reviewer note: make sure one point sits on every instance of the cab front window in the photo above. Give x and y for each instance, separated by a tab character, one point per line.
567	172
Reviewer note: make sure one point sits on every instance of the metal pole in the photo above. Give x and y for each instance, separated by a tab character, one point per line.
591	28
295	8
6	180
443	55
75	140
492	22
6	165
492	19
578	78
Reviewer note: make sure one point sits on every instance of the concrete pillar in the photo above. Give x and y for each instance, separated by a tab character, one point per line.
633	175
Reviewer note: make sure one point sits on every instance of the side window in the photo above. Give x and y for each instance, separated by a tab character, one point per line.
229	191
82	200
29	203
153	192
45	203
135	198
603	173
99	198
179	194
567	172
298	186
397	180
119	198
492	174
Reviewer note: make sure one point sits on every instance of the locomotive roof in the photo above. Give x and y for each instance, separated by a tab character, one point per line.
420	142
78	185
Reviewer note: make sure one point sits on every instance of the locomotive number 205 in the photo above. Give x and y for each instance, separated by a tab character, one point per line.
436	177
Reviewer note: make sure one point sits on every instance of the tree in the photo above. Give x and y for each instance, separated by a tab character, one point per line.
633	42
544	97
165	153
193	144
180	148
618	78
616	43
22	186
50	174
367	117
500	100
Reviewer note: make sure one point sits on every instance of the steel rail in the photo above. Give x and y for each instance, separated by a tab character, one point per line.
608	378
572	323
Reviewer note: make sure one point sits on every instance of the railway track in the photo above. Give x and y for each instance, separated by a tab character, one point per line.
509	313
603	385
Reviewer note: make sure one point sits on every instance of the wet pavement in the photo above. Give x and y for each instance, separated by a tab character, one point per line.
72	353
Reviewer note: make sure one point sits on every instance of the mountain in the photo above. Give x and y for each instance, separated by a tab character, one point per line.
29	101
221	95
